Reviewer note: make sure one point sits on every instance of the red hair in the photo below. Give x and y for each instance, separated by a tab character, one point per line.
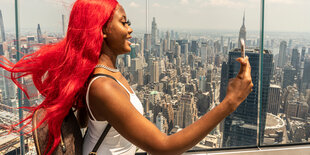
60	71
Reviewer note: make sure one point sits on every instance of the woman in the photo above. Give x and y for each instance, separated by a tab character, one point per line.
116	103
98	32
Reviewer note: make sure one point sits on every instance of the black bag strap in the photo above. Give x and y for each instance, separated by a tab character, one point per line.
108	127
96	75
105	132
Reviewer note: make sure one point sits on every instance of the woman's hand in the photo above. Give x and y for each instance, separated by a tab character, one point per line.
240	86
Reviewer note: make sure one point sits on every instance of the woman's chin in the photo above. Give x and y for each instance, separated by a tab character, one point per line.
126	51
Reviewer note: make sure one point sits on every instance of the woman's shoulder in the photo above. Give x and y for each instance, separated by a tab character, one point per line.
106	89
103	84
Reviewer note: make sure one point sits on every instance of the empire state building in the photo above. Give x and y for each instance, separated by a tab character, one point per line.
242	32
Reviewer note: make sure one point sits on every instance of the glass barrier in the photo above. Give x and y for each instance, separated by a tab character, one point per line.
183	55
288	39
40	23
182	58
8	90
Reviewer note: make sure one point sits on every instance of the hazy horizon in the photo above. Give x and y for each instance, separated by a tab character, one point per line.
197	15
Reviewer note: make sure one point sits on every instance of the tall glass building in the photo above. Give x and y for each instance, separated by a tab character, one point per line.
240	127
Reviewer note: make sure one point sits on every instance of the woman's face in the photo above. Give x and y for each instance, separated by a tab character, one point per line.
117	33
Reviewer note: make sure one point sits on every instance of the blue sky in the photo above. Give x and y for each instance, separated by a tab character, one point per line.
281	15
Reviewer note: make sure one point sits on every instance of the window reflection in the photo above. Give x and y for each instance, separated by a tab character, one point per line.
288	102
180	74
186	71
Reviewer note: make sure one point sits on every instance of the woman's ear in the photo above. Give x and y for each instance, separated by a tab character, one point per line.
104	35
104	32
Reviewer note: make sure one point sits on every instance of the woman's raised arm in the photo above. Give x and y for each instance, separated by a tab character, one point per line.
110	102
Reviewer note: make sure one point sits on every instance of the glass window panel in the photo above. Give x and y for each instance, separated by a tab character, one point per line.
8	97
183	55
287	36
40	23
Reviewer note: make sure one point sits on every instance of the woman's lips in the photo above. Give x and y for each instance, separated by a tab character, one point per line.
129	42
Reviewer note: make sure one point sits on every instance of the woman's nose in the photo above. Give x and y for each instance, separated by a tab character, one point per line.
130	30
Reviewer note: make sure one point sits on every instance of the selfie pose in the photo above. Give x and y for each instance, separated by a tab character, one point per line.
80	72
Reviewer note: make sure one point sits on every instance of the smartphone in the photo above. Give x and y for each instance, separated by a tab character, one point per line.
242	48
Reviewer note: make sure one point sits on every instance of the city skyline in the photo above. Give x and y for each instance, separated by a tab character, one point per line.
186	15
179	76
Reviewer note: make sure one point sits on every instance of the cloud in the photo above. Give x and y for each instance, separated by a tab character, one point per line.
6	1
193	11
64	3
224	3
183	2
156	5
282	1
134	5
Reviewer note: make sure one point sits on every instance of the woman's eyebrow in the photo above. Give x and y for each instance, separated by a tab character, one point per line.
124	17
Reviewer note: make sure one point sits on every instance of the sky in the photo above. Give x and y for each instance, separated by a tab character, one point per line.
219	15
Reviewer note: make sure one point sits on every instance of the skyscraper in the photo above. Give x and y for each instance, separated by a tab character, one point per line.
282	54
202	83
302	111
1	49
140	77
63	25
184	50
274	99
228	44
188	110
160	122
2	28
134	50
155	72
194	47
136	64
39	34
147	42
306	74
127	60
240	127
242	32
177	50
224	80
295	59
168	39
290	43
289	76
154	32
303	54
222	44
203	52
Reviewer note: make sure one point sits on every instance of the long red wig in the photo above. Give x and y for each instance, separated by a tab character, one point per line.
60	71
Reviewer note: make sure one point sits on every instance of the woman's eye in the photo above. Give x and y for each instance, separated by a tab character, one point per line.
127	22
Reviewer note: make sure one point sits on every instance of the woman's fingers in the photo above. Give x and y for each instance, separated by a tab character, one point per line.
245	68
240	87
244	62
245	71
248	72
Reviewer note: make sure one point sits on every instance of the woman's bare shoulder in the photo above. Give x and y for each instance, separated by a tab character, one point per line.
104	88
103	83
102	95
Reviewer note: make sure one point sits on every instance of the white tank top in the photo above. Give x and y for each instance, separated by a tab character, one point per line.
113	143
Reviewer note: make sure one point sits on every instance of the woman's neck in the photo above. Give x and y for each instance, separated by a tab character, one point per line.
108	59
